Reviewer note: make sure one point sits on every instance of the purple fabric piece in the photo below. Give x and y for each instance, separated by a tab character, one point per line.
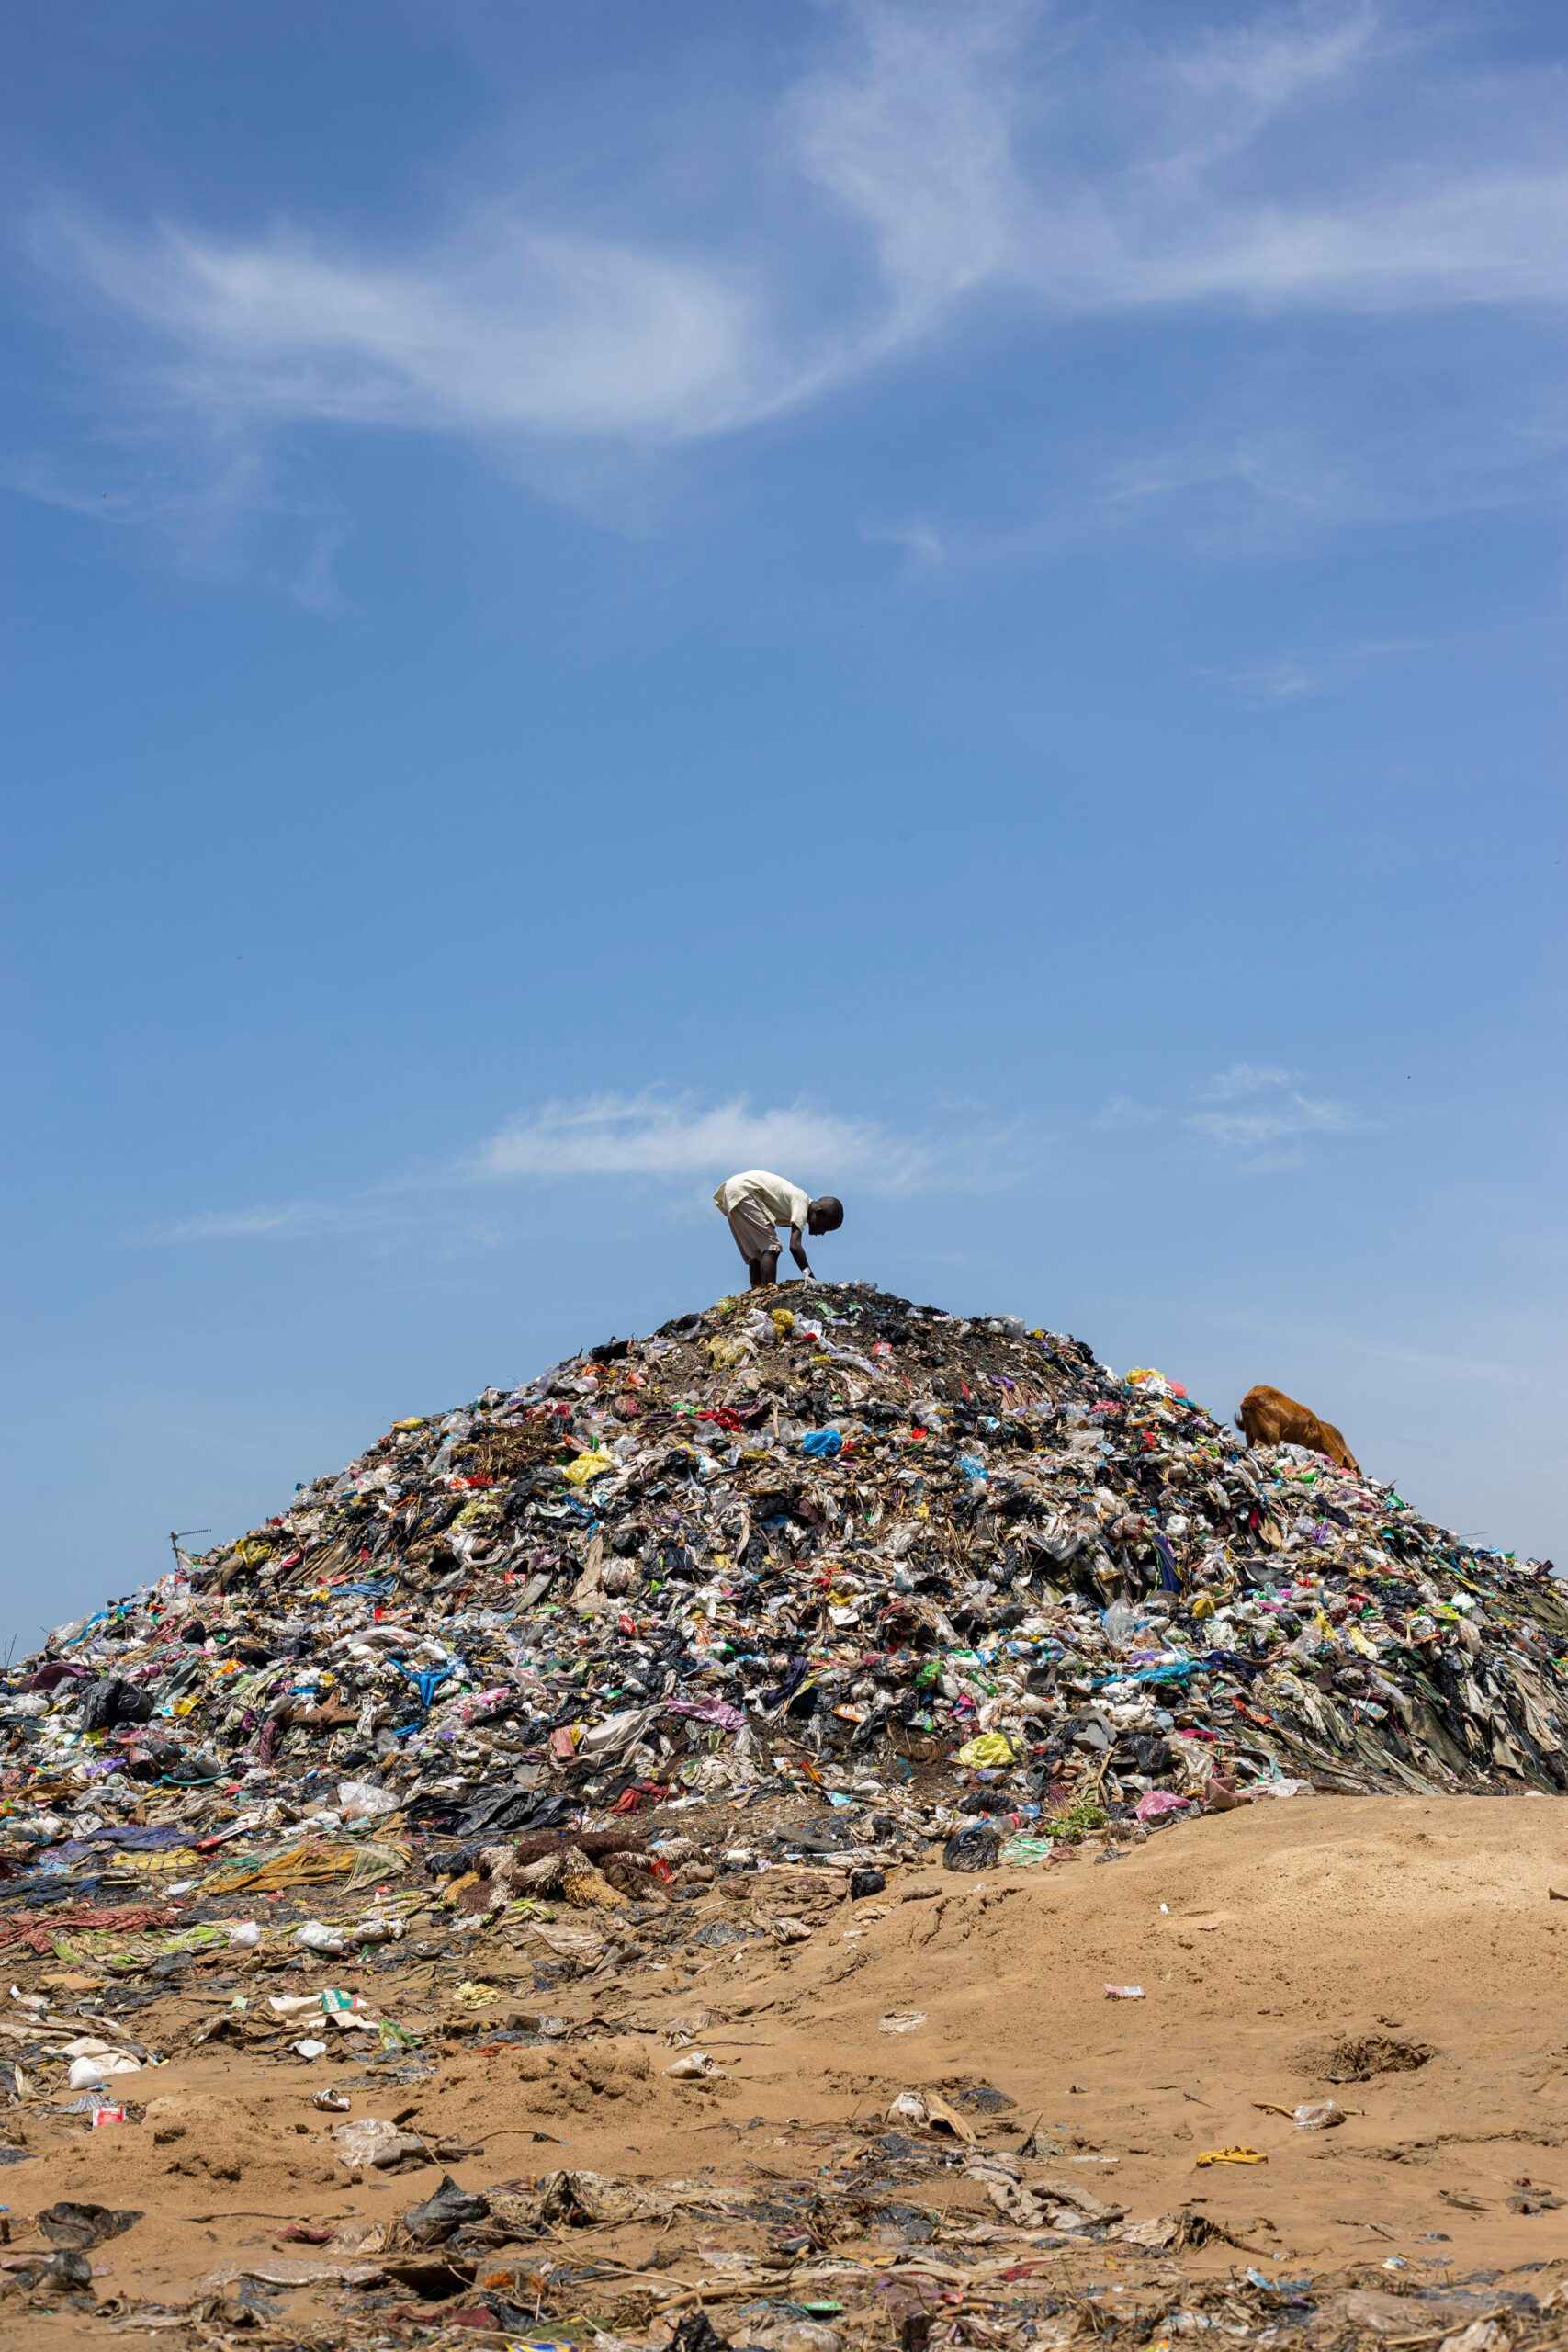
138	1840
1154	1803
59	1671
707	1711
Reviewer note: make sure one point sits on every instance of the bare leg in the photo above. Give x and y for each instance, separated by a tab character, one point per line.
765	1270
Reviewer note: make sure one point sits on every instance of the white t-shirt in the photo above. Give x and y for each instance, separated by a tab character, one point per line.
784	1202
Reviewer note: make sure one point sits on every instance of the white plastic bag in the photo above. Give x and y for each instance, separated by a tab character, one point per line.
86	2072
363	1800
316	1936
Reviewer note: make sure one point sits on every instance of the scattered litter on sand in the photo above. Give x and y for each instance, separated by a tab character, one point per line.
616	1862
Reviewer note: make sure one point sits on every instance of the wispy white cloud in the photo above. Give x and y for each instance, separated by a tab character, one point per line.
912	132
923	545
1288	1119
502	327
1331	666
1243	75
1491	242
651	1139
217	496
680	1146
676	1135
1265	1112
1284	679
372	1218
509	329
1241	1078
932	156
1260	1109
1122	1113
278	1221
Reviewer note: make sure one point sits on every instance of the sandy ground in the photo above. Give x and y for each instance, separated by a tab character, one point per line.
1413	1942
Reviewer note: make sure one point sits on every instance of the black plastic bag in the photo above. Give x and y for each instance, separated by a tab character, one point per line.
433	2221
83	2226
111	1701
972	1849
697	2332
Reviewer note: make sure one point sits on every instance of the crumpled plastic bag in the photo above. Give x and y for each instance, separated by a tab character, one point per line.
363	1800
592	2196
928	2111
86	2072
589	1465
378	1928
315	1934
696	2066
370	2142
989	1749
975	1848
1155	1804
999	2176
83	2226
1022	1853
448	2209
795	2335
111	1701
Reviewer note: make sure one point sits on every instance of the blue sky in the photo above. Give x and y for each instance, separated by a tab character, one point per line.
967	604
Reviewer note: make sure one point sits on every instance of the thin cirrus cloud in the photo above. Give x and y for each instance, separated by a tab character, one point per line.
1264	1109
1242	1077
283	1221
682	1145
658	1136
650	1139
1289	1120
930	157
372	1218
1250	1108
511	329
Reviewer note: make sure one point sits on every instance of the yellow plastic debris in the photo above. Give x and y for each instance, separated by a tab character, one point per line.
989	1749
1233	2156
476	1995
591	1464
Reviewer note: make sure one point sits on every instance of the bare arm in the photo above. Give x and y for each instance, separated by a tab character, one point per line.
798	1248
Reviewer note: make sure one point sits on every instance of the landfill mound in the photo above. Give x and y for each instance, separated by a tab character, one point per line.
690	1658
901	1543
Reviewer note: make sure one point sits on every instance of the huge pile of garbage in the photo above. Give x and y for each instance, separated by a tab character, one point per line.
951	1577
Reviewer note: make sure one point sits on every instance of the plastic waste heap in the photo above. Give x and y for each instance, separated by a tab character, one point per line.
830	1541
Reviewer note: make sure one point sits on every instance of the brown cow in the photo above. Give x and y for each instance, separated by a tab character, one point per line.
1267	1416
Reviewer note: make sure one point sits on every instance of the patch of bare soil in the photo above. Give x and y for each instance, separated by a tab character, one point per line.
919	2118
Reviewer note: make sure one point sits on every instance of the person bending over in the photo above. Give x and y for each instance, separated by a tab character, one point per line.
756	1204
